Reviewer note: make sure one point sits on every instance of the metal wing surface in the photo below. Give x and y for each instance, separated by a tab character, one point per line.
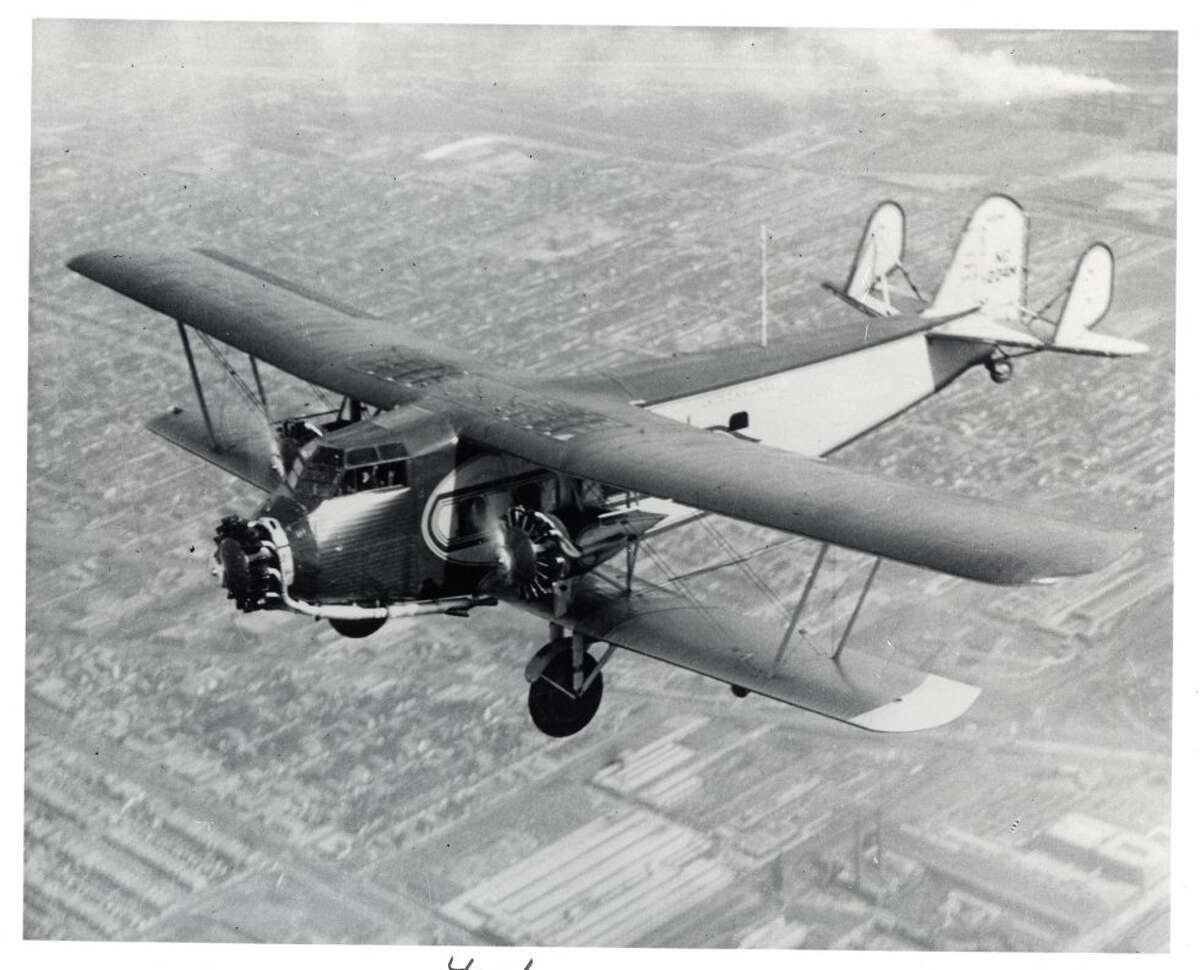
969	537
286	324
879	695
588	434
240	456
651	382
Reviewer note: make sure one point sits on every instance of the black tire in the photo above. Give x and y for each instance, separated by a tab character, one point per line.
553	712
357	629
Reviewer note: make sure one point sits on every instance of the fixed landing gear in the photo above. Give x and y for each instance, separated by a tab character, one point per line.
357	629
1000	369
556	710
565	684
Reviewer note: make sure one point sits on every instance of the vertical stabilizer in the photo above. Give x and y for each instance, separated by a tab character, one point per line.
987	272
879	254
1090	294
1087	303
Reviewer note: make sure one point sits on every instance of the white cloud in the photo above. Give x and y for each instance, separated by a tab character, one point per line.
912	61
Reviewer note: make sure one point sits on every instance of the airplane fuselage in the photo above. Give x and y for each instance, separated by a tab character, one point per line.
397	507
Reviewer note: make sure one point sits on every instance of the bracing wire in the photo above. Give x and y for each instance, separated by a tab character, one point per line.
744	566
237	379
744	557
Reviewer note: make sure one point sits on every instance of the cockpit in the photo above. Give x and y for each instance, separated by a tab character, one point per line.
322	470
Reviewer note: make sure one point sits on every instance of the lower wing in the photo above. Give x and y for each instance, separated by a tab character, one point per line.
867	692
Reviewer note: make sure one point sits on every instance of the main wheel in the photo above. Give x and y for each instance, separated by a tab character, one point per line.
553	711
357	628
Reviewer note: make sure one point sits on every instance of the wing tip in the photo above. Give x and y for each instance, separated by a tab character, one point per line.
934	702
92	263
80	261
1070	552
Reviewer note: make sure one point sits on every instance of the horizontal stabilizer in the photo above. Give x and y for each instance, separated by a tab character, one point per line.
1087	303
239	455
879	695
978	329
1102	345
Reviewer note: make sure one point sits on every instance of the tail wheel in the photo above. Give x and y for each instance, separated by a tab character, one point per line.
555	709
1000	369
357	629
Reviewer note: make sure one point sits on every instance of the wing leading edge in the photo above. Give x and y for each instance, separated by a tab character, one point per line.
973	538
288	325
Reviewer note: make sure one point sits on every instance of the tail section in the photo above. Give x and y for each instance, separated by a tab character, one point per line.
1087	302
987	273
982	297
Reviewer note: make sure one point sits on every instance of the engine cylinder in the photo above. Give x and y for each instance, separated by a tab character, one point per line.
248	565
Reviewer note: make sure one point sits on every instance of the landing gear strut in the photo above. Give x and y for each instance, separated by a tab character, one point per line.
565	684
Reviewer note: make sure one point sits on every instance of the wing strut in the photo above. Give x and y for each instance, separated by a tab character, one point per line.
631	554
808	587
187	349
799	610
862	598
262	395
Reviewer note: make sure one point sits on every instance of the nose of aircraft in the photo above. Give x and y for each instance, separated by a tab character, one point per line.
233	566
247	562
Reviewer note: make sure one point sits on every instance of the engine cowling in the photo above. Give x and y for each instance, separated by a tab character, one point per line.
535	551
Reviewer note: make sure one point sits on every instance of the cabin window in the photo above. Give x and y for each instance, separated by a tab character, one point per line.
361	456
529	495
387	474
470	517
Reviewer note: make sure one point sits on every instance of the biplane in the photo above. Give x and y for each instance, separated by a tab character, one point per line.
445	483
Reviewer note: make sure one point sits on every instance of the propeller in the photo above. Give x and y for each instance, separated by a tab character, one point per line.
533	551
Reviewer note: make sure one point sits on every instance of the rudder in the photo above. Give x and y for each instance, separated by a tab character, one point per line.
879	253
1087	302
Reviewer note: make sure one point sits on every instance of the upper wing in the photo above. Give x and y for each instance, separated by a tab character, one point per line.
594	437
974	538
283	323
880	695
651	382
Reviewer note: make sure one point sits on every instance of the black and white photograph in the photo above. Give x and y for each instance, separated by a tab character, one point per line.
530	485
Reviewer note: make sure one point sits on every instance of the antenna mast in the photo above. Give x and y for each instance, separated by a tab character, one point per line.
763	297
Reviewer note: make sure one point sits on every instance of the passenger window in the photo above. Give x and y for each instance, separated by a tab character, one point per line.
529	495
470	516
390	474
385	475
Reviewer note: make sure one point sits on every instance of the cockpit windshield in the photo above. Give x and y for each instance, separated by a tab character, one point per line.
323	471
